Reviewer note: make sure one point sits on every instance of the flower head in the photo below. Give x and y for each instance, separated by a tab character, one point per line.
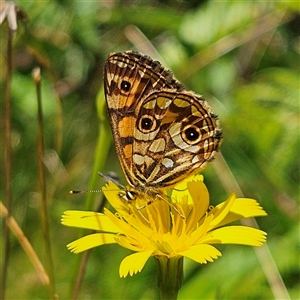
11	11
186	227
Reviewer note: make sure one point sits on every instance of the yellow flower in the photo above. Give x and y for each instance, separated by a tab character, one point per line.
186	227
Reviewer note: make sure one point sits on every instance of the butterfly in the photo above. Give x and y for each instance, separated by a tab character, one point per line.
163	133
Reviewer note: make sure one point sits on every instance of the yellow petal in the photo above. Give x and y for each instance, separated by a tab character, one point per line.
200	196
134	263
128	242
221	211
181	191
111	192
243	208
236	235
182	185
91	241
202	253
199	232
127	227
247	207
89	220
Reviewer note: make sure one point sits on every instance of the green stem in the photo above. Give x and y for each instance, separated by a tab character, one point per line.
42	181
101	153
102	149
169	276
8	164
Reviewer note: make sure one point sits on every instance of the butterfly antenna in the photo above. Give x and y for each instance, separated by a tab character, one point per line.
84	191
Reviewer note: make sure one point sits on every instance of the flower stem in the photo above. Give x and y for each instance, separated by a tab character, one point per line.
169	276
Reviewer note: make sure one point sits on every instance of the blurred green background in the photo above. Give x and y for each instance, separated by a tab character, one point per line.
243	57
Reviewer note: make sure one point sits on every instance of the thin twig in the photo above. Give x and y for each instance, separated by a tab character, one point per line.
19	234
80	274
44	207
8	162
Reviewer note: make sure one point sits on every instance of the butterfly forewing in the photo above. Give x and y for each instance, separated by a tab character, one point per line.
142	75
162	132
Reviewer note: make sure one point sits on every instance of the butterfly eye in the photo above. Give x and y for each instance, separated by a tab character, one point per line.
125	86
191	134
128	196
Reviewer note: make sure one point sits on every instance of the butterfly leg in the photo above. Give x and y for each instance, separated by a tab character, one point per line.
172	206
159	197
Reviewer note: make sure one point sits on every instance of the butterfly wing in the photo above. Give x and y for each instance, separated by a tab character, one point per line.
176	134
128	78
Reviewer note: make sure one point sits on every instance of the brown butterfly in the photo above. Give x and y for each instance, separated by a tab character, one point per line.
163	133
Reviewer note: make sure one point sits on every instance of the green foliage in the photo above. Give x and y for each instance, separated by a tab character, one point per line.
242	56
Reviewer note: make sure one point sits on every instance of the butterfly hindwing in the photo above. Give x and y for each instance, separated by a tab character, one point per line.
176	134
